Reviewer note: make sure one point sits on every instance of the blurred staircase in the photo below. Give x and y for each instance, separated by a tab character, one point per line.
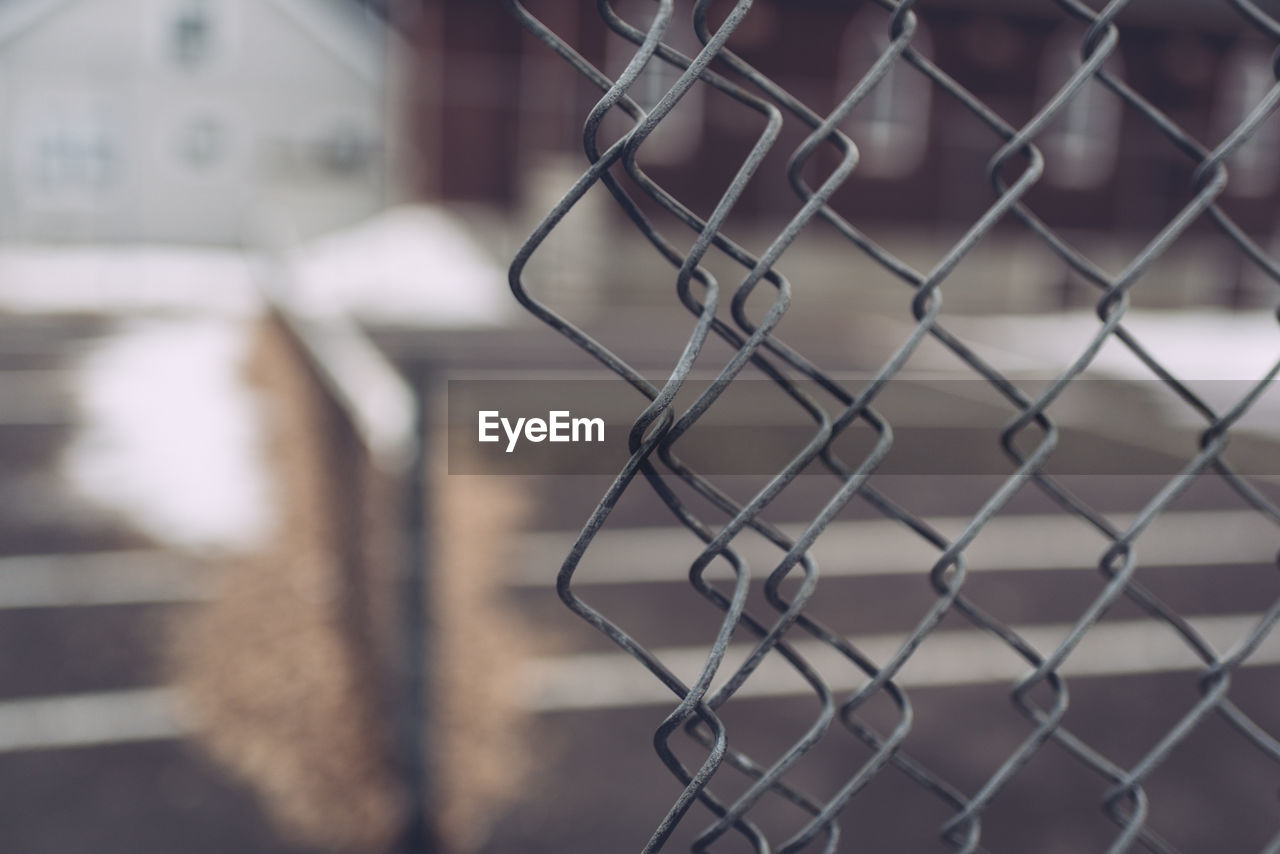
91	754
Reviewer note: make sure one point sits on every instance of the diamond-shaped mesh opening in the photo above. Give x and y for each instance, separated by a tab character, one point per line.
939	651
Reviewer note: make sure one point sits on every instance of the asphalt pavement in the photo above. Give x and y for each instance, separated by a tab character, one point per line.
600	778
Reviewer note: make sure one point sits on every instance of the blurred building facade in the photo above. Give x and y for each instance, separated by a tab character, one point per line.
191	121
495	112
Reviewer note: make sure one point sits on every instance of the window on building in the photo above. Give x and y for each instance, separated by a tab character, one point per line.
191	34
891	125
202	144
67	156
1081	144
345	151
1254	168
70	159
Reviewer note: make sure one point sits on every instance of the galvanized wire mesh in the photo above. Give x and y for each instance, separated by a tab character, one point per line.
792	581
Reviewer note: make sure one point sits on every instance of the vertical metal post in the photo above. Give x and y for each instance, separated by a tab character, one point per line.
420	833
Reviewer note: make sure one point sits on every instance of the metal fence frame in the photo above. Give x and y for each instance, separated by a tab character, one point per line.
374	419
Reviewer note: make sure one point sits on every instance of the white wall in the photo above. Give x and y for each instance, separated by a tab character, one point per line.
105	135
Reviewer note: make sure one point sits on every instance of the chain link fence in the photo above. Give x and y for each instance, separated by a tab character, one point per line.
724	785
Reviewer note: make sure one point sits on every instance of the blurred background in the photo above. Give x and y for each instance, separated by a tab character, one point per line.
244	245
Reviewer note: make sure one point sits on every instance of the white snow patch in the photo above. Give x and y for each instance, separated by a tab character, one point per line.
172	431
172	434
1203	344
410	266
125	280
1200	347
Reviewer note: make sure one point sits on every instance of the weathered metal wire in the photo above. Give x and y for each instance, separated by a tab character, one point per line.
1014	170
